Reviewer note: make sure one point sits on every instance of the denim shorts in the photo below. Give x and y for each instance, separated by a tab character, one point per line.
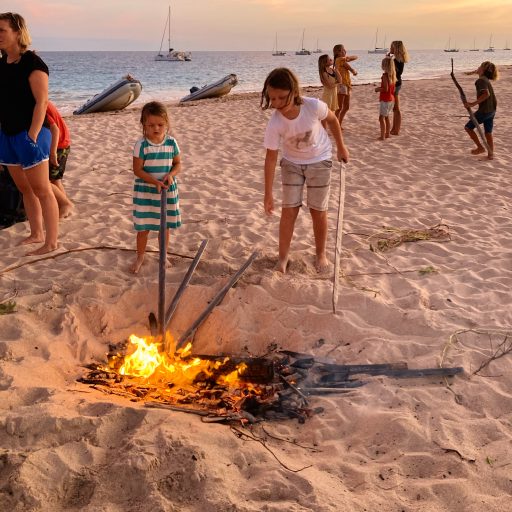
316	176
486	119
21	150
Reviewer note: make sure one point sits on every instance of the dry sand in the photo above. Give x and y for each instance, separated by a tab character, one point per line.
392	445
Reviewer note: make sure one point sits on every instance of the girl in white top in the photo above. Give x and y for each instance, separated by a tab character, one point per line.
296	127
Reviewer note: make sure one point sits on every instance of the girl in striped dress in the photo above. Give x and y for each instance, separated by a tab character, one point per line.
156	162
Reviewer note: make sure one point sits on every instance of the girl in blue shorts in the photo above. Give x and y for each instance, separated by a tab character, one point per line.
24	138
486	101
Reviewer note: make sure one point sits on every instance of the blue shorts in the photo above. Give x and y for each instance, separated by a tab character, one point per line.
486	119
20	150
397	89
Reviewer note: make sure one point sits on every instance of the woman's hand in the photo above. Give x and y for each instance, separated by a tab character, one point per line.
54	160
268	204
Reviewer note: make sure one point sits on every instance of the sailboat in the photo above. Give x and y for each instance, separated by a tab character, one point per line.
450	48
172	55
507	47
303	51
491	47
379	49
318	49
474	49
276	52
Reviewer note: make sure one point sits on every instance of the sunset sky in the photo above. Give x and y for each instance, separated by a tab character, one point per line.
252	24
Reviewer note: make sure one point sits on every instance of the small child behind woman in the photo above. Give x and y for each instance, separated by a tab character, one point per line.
156	162
386	96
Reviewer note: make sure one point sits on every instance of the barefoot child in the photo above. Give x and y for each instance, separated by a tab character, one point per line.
341	64
156	162
401	56
296	125
59	151
386	96
486	101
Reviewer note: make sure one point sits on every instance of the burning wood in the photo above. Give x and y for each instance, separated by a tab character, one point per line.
221	388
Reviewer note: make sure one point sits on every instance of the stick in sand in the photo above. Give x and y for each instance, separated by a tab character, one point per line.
215	301
470	112
339	235
162	264
179	292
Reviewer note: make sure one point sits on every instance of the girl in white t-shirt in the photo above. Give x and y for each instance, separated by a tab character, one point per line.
296	127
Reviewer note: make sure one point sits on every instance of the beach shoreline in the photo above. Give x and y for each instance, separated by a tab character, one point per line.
425	444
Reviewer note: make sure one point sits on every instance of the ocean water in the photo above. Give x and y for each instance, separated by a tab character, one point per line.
77	76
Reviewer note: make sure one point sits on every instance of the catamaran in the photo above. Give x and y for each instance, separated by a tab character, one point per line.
172	55
450	48
303	51
276	52
491	47
318	49
379	49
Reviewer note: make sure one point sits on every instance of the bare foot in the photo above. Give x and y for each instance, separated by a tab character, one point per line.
393	132
282	266
381	138
32	239
66	210
387	135
478	151
45	249
322	264
490	156
138	263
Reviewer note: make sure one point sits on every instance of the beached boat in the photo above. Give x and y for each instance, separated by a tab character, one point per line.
379	49
215	90
115	97
172	55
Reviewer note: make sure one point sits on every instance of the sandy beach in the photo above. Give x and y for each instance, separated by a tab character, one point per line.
425	444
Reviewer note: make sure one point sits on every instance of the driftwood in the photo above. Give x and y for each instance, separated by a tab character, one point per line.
339	235
470	112
179	292
162	262
215	301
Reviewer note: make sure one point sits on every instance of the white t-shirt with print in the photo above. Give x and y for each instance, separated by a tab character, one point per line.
303	139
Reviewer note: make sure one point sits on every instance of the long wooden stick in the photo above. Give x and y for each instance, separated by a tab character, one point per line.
179	292
470	112
215	301
162	263
339	235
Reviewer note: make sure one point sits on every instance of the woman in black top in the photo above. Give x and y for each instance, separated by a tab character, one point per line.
399	52
24	140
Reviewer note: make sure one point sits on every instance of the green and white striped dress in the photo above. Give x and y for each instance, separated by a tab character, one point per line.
146	198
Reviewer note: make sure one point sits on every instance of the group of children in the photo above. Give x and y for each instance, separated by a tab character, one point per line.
298	127
336	80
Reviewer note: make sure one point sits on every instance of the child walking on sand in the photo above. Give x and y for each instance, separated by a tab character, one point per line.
330	78
401	56
386	96
341	64
59	151
486	101
296	126
156	162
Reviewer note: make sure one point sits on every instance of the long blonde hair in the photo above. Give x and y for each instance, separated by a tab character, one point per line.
490	70
17	23
399	51
322	64
388	66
